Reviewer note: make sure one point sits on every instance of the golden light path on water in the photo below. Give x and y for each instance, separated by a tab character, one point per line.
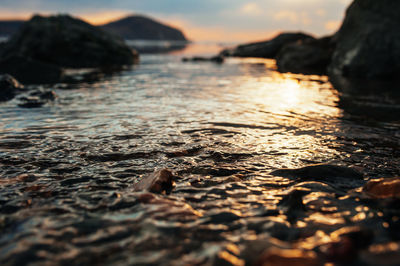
300	110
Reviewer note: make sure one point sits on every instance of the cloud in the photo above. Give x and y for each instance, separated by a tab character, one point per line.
252	9
293	17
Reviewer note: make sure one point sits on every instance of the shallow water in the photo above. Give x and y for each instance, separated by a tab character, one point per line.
221	129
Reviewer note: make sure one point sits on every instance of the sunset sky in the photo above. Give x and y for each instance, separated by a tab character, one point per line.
201	20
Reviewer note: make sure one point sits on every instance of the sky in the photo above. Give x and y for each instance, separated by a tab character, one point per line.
200	20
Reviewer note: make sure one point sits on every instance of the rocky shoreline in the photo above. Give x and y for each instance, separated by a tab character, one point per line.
366	45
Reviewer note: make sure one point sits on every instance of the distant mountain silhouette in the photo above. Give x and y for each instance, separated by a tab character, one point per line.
8	27
130	28
143	28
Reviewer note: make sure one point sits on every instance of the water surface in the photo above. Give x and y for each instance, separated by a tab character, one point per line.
221	128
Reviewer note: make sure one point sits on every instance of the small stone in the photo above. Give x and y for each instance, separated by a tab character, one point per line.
383	188
9	87
292	257
157	182
320	171
31	102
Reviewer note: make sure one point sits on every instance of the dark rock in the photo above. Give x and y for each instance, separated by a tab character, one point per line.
292	204
266	49
9	27
223	218
309	56
347	243
9	87
216	59
30	71
368	42
31	102
383	188
157	182
68	42
46	95
295	257
320	171
143	28
37	98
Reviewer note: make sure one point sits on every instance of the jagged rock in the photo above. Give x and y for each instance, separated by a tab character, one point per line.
9	87
157	182
309	56
266	49
368	42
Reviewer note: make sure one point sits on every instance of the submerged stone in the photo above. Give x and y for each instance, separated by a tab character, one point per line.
216	59
383	188
9	87
346	245
157	182
293	257
320	171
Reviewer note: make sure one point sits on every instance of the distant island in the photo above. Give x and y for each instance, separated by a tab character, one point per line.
136	27
143	28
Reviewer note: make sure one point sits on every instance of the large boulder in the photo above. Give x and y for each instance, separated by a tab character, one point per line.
9	87
368	44
30	71
266	49
310	56
66	42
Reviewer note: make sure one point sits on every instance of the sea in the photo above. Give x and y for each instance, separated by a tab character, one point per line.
68	168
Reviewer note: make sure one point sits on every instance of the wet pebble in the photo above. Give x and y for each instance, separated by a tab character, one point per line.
292	257
319	171
157	182
383	188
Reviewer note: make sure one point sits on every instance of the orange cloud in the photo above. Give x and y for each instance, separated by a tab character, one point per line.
251	9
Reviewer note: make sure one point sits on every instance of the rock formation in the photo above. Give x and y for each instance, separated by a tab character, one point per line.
143	28
44	45
266	49
368	42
